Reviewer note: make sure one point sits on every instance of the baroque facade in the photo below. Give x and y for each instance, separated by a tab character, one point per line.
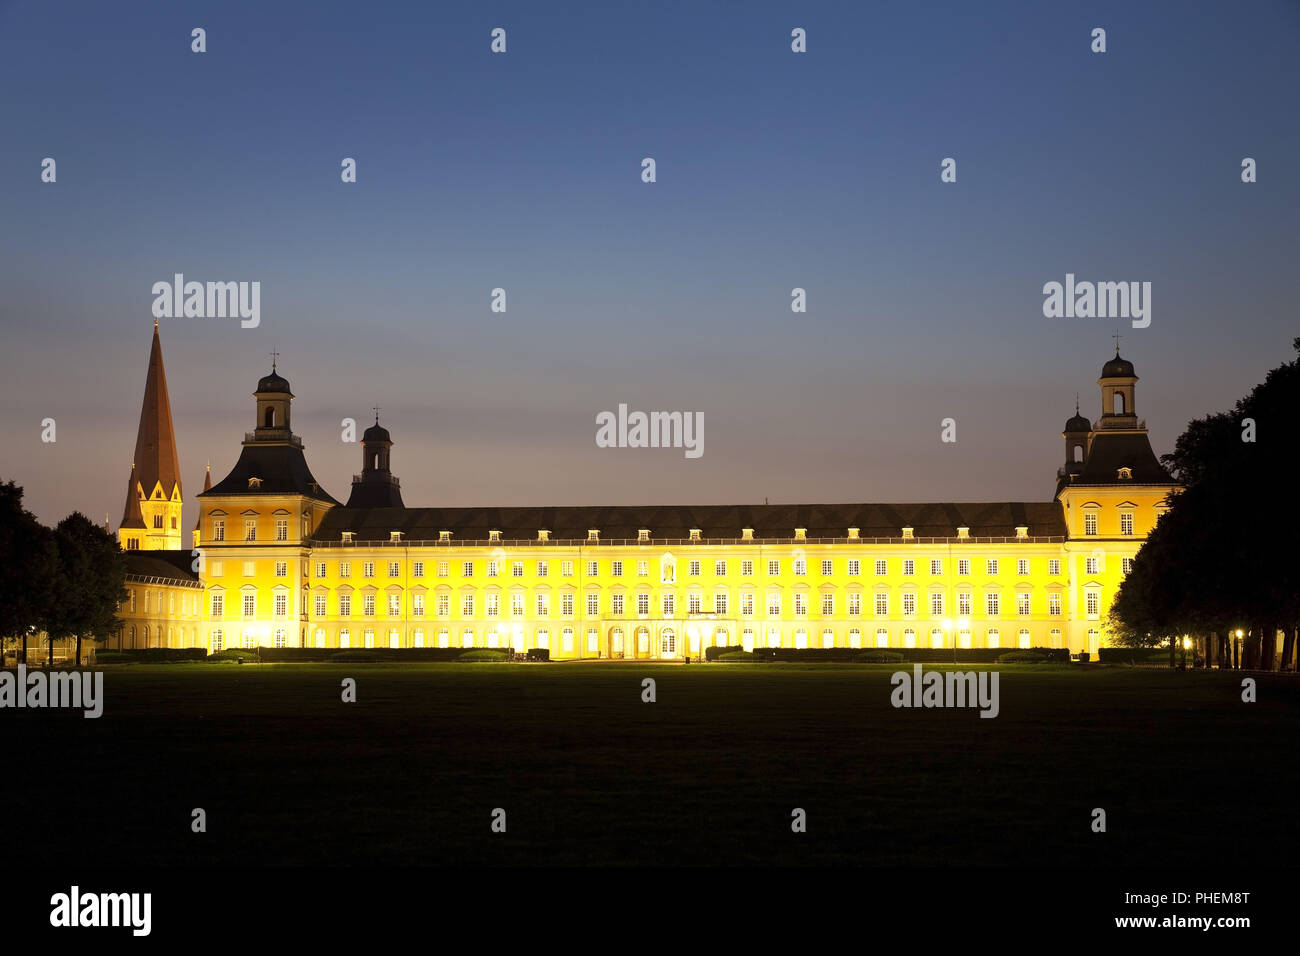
283	563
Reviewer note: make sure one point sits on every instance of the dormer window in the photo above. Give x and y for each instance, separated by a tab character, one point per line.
853	534
963	533
1022	531
347	537
1126	474
643	534
907	534
593	535
494	535
746	534
444	537
543	535
394	536
695	534
800	534
254	484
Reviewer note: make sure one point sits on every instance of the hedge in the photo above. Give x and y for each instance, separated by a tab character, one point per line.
151	655
484	654
1021	657
916	655
733	656
713	653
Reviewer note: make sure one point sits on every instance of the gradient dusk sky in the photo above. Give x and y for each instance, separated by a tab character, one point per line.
522	170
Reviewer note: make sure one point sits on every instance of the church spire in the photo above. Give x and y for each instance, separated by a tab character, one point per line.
154	490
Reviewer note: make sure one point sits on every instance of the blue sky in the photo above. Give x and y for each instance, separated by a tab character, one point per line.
522	171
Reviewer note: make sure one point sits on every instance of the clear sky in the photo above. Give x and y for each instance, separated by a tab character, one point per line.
522	171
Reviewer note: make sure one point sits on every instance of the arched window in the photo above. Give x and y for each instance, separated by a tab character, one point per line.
270	416
616	641
1119	403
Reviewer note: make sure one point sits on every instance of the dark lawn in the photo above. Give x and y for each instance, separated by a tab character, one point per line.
707	775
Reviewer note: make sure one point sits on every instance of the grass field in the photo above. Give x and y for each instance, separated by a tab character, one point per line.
709	774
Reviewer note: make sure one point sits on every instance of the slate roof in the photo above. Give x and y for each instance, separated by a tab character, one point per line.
1108	453
171	565
155	442
282	468
770	522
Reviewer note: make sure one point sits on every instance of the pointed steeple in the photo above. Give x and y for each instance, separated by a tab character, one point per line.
131	516
155	442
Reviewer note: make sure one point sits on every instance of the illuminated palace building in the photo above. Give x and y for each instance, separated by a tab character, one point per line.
285	564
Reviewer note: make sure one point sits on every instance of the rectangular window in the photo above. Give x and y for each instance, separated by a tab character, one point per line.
909	603
467	605
720	569
543	605
345	569
855	567
1022	603
250	604
593	604
1022	566
566	605
368	605
882	603
282	569
467	569
394	605
320	605
1053	567
800	603
855	603
963	566
616	569
492	568
593	569
991	567
694	604
1054	603
281	529
444	605
493	605
417	605
720	602
1126	565
643	604
774	605
643	569
993	604
250	569
909	567
693	569
566	569
882	567
828	603
936	604
773	569
368	569
442	569
616	605
963	604
517	604
218	569
1090	523
746	568
1094	603
1126	522
345	605
517	569
320	569
543	568
218	529
747	603
828	567
669	605
1094	565
936	567
157	521
218	604
800	567
250	529
394	570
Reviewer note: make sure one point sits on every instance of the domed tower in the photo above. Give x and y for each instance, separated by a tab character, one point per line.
376	486
1117	382
1077	429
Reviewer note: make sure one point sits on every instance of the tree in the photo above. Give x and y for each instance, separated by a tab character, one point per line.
91	572
28	566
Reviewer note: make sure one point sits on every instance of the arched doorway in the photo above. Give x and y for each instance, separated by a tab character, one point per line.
616	642
667	643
